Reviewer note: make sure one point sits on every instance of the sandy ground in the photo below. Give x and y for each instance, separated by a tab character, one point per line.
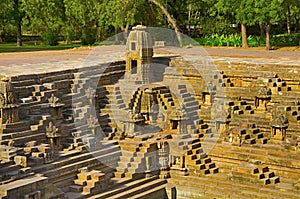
82	52
31	62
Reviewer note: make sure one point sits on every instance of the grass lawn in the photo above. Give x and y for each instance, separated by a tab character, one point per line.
11	47
30	46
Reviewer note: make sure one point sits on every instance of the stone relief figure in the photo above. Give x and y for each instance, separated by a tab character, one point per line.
10	142
76	134
92	122
90	94
8	102
53	100
51	129
7	91
2	100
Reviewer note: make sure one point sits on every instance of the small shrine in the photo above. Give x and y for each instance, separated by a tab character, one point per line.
278	127
139	54
178	120
134	125
222	117
208	93
148	107
262	94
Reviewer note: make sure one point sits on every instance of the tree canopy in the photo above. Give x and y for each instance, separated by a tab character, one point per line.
92	20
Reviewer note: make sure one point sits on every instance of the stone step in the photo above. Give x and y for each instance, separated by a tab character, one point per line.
55	166
151	193
140	189
76	188
124	188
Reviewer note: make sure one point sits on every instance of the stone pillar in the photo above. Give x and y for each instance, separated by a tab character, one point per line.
163	154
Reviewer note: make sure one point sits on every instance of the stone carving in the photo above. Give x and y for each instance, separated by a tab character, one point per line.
90	94
7	93
51	129
163	153
10	142
53	136
8	102
92	122
53	100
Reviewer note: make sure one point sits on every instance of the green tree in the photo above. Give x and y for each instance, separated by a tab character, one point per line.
12	14
268	12
119	14
81	18
292	14
170	19
45	16
242	11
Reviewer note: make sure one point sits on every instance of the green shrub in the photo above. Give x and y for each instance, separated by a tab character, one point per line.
221	40
50	37
285	40
88	37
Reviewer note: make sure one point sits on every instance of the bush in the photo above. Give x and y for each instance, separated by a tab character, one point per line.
221	40
88	37
285	40
230	40
50	37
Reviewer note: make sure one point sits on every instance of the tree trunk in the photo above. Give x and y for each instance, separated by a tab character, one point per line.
125	31
170	20
262	31
117	36
19	33
18	20
268	39
244	36
288	20
297	24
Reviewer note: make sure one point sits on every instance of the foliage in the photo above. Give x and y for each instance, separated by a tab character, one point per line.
234	40
10	47
88	37
93	20
285	40
50	37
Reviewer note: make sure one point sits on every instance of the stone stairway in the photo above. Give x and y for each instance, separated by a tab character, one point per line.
141	188
61	172
132	163
89	182
222	79
248	134
194	113
269	155
41	93
164	97
254	174
196	160
220	186
113	112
